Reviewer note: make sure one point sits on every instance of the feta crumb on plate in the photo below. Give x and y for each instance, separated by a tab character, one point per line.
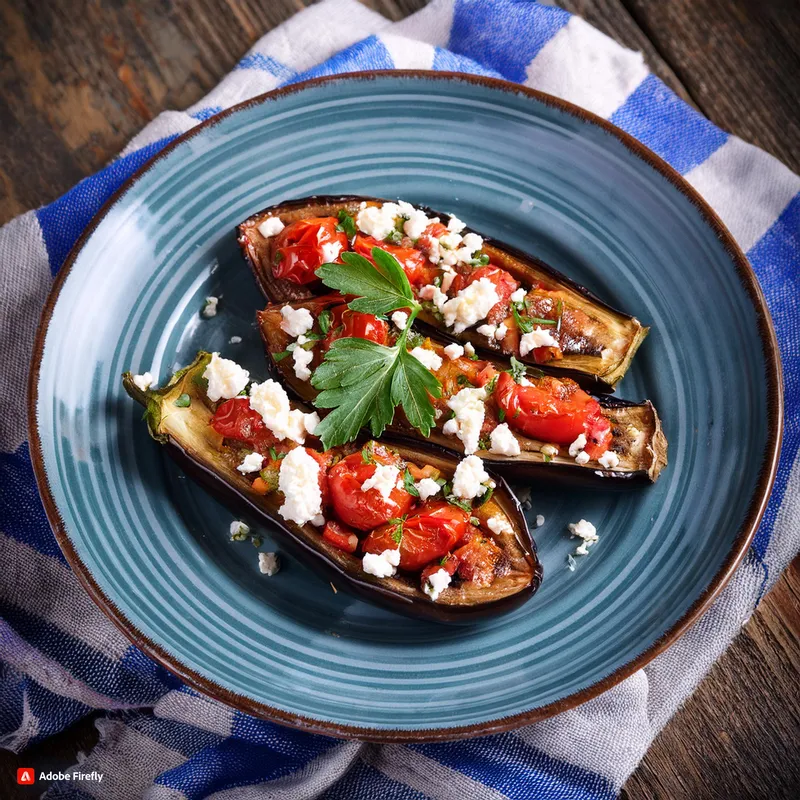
269	563
239	530
586	531
539	520
235	340
210	307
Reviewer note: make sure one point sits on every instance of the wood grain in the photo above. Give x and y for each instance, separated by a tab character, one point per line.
79	78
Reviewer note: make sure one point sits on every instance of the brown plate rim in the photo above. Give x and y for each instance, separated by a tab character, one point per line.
247	705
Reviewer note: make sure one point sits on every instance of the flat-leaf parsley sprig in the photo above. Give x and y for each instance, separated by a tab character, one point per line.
362	381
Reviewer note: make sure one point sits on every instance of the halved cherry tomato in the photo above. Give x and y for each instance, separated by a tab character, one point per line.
477	560
504	283
428	534
302	246
234	419
418	269
340	536
365	510
346	323
554	410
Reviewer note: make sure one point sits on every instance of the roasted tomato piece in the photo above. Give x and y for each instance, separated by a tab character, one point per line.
340	536
346	323
365	510
477	560
234	419
417	268
428	534
554	410
449	564
504	283
302	246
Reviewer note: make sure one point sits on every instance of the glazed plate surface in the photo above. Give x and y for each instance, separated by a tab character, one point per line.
154	549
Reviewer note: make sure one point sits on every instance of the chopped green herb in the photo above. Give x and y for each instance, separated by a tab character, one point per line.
346	225
501	414
257	541
491	385
278	357
481	261
485	497
443	561
184	401
408	484
547	458
324	321
523	323
275	455
278	256
414	339
517	413
366	455
475	521
464	505
542	321
518	370
484	443
395	237
201	382
462	380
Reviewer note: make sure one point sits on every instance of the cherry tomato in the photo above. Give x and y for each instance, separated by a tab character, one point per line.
365	510
477	560
418	269
428	534
504	283
340	536
302	246
554	410
234	419
346	323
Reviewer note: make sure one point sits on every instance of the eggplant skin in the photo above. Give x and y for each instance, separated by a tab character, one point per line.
639	439
597	365
197	449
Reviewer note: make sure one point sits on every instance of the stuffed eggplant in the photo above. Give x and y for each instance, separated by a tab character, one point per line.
408	527
473	289
521	421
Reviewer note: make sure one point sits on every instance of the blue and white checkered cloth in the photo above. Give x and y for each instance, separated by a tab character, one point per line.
61	658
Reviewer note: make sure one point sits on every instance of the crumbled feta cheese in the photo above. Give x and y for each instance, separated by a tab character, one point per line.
450	427
609	460
488	331
428	358
417	221
523	381
454	351
225	378
210	307
143	382
518	296
582	458
577	445
503	441
450	241
299	481
499	525
270	226
383	565
434	294
538	337
296	321
380	221
427	487
302	358
437	583
470	305
384	479
586	531
501	332
472	242
269	563
470	410
310	422
455	225
330	251
448	277
469	349
235	340
400	319
318	521
549	450
271	401
434	251
239	529
469	478
539	520
252	463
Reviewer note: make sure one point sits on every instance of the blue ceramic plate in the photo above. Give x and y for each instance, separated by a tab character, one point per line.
534	172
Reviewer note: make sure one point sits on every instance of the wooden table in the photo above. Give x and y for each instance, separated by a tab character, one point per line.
78	79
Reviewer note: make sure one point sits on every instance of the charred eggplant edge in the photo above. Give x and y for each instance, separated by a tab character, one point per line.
278	291
528	464
306	543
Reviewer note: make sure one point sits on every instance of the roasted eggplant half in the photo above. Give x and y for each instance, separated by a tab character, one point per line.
406	526
530	423
473	289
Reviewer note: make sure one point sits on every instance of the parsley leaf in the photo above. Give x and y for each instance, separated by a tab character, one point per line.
517	370
411	384
408	484
324	321
347	225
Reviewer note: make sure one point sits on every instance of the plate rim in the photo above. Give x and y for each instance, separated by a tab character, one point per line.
247	705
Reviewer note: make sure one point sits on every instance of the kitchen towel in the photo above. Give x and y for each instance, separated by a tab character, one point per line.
60	658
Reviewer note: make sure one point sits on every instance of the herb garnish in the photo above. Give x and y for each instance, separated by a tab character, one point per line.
363	381
275	455
346	225
408	484
324	321
501	414
525	324
184	401
518	370
397	533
